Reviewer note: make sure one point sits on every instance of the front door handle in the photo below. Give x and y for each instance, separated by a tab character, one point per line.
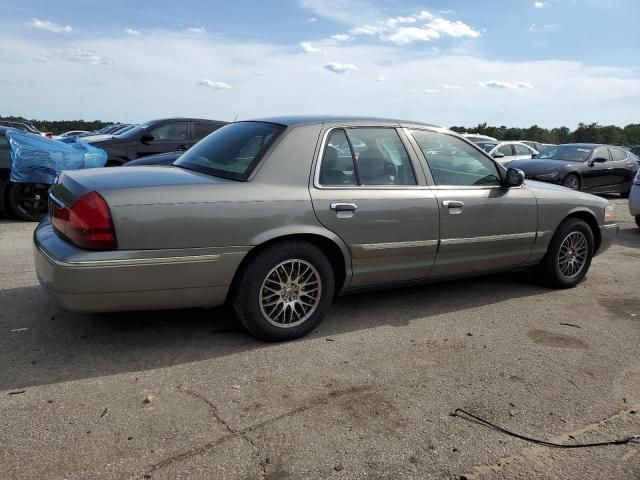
344	207
452	204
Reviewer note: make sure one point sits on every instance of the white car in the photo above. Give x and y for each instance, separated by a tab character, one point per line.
477	137
505	152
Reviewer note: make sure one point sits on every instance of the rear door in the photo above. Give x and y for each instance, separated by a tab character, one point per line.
623	169
522	152
369	190
483	225
169	137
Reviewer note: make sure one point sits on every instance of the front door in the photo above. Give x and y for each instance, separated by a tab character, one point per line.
368	191
597	176
483	225
169	137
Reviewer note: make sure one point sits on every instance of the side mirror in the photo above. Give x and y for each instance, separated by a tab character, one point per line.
497	154
599	160
147	138
515	177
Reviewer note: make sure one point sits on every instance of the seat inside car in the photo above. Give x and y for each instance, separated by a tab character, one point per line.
329	173
372	165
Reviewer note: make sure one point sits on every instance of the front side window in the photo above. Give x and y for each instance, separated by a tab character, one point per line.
454	162
601	153
232	151
170	131
365	156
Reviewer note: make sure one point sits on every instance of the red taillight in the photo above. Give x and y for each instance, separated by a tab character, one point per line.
87	223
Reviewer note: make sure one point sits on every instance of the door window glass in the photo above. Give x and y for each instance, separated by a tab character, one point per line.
337	162
522	150
170	131
201	130
454	162
379	154
618	155
601	153
506	150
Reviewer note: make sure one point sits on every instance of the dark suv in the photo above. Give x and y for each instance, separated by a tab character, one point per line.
153	137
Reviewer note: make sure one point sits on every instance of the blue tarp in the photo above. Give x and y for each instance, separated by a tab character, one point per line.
37	159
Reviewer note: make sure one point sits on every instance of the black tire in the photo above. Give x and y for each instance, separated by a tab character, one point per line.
550	270
638	220
250	285
626	193
28	201
572	181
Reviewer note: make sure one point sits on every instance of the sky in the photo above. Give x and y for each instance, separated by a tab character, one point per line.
458	62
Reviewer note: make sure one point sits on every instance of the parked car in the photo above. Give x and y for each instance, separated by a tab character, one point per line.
25	127
162	159
75	133
476	137
274	217
505	152
634	199
537	146
636	150
153	137
588	167
27	201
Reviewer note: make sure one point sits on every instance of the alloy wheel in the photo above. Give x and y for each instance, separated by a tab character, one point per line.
30	200
572	182
572	256
290	293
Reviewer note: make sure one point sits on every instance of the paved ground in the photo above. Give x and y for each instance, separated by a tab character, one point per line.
366	396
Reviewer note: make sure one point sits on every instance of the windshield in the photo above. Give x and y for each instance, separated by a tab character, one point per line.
571	153
233	151
487	147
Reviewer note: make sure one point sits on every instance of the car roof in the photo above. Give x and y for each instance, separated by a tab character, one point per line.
189	119
297	120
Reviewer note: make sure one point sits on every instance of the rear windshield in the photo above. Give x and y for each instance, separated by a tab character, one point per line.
571	153
233	151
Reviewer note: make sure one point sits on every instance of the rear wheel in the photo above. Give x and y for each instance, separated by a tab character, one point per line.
572	181
28	201
569	255
285	291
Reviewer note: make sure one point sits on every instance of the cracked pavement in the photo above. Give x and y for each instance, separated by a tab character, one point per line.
367	395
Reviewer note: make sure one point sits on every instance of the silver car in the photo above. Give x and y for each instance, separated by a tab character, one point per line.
505	152
277	216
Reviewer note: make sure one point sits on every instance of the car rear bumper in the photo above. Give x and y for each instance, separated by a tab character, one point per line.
91	281
608	233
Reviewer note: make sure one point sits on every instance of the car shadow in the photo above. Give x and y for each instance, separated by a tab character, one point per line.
42	344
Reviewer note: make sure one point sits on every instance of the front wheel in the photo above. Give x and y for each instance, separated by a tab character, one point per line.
284	291
572	181
28	201
569	255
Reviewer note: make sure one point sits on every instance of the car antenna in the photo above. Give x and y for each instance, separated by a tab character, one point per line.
235	118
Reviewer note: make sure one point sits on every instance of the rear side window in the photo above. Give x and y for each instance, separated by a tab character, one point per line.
506	150
232	151
201	129
366	156
522	150
454	162
618	155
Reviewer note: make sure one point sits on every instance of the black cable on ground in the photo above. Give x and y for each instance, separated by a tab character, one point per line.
459	412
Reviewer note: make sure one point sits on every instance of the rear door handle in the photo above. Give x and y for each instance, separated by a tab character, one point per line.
344	207
452	204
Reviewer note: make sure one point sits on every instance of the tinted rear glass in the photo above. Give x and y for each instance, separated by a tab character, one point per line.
233	151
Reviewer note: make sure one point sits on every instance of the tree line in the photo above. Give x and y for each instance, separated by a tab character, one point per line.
585	133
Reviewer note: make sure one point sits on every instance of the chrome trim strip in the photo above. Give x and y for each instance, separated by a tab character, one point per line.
56	200
489	238
130	262
543	233
608	226
390	245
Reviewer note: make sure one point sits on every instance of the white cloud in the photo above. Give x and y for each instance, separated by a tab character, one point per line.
196	30
49	26
312	20
447	12
205	82
448	86
308	47
497	84
538	4
429	91
367	30
133	32
392	22
453	29
78	55
411	34
424	15
340	68
381	78
341	37
349	12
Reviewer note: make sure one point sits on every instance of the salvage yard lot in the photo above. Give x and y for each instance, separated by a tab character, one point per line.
367	395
